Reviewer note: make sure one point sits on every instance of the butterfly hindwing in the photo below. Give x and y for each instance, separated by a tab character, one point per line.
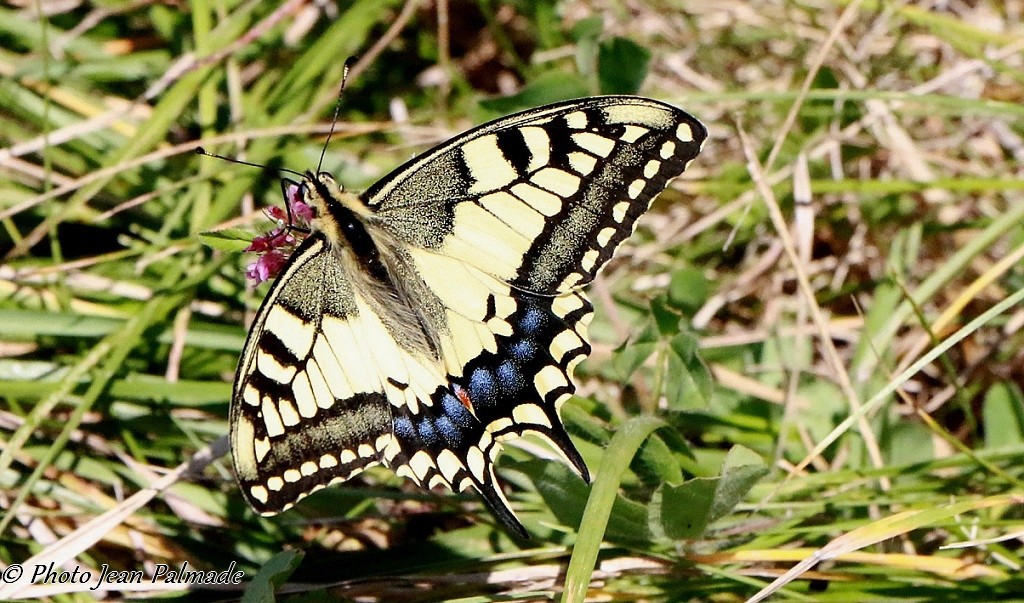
439	314
515	389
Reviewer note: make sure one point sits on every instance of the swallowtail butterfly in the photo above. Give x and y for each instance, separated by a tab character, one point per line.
438	314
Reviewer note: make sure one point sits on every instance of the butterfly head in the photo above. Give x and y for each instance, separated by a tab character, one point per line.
323	191
317	191
331	209
316	194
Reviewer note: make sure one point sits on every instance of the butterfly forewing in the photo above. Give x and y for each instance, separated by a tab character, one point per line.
297	418
439	314
543	198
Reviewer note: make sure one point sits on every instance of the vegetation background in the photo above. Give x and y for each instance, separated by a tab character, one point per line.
809	356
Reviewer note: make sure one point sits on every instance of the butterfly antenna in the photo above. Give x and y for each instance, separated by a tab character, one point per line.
202	151
287	205
337	108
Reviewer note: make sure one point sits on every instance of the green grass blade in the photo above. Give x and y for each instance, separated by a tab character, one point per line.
614	462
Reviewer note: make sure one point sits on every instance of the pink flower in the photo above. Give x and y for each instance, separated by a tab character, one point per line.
275	213
266	266
277	245
272	240
302	212
263	243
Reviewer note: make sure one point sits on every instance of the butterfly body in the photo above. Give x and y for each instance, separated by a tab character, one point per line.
439	313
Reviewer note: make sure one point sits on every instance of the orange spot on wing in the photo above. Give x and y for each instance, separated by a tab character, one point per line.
463	397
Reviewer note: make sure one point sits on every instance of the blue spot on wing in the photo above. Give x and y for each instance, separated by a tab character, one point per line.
451	434
523	351
427	432
510	378
455	411
483	391
403	427
533	320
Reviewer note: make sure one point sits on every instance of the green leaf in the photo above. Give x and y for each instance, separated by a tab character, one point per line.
587	29
546	88
681	512
586	422
657	462
688	290
688	382
35	323
684	511
908	443
271	576
547	23
117	69
603	495
164	20
621	66
741	470
586	34
563	492
667	318
827	411
566	495
228	239
1003	416
630	356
